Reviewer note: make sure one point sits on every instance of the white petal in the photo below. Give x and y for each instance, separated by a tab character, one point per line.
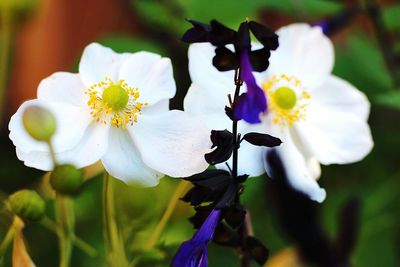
209	104
334	137
122	160
89	150
337	94
173	143
63	87
304	52
250	160
203	72
71	124
159	107
296	168
98	62
151	74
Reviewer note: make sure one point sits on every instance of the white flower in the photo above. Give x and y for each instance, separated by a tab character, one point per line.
116	110
319	117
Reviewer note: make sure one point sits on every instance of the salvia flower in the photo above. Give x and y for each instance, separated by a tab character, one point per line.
242	57
193	253
253	102
116	110
319	117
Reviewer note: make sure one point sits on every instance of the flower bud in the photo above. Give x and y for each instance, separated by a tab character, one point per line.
27	204
39	123
66	179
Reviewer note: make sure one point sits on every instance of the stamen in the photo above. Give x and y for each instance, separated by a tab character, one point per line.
287	99
114	103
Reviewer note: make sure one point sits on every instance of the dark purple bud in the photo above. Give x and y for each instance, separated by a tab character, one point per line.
224	143
198	34
259	59
225	59
243	37
193	253
250	104
220	34
267	37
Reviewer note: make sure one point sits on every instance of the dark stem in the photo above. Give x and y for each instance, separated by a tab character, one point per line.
246	230
238	83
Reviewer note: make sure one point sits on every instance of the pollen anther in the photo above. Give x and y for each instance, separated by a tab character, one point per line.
287	99
114	103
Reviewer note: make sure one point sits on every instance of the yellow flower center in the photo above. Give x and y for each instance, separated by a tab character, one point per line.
287	99
115	97
114	103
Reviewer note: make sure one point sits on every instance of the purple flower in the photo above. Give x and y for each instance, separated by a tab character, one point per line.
193	253
253	102
337	22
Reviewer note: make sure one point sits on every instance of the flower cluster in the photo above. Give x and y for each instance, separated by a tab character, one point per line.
319	117
293	116
252	103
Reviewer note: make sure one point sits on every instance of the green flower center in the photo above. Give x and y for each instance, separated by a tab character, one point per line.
115	97
285	97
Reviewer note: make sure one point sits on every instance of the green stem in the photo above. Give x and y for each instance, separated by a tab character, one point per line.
5	39
78	242
7	239
52	154
66	220
179	191
114	245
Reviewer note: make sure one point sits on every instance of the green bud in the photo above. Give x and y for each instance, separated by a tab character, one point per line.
27	204
39	123
66	179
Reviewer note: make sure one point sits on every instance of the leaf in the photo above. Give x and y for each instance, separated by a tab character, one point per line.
362	64
260	139
390	99
391	17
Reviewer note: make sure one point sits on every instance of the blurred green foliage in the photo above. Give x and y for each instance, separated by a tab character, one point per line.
376	180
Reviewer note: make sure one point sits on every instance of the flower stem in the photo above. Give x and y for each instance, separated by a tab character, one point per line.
236	140
66	220
179	191
5	39
78	242
52	154
246	230
7	239
115	251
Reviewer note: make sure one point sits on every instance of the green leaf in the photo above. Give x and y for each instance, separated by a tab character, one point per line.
361	63
391	16
390	99
121	43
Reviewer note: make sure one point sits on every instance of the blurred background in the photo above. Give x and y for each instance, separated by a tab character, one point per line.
39	37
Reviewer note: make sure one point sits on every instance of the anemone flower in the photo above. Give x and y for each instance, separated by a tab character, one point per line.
116	110
320	117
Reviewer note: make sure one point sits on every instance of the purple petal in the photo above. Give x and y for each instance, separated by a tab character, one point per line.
250	104
206	231
193	253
